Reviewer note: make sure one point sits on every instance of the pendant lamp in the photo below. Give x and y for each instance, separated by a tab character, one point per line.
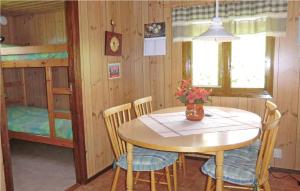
216	31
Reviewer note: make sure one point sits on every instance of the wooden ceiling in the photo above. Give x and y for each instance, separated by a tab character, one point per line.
14	8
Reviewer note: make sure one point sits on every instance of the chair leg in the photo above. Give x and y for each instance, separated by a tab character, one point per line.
267	186
183	162
137	175
116	178
208	184
152	181
168	178
175	176
179	161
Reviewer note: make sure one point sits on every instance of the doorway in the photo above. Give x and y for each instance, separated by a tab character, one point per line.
71	15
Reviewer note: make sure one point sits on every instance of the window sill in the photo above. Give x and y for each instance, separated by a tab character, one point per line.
247	95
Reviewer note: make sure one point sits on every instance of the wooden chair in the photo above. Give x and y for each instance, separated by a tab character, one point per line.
249	168
143	159
269	108
143	106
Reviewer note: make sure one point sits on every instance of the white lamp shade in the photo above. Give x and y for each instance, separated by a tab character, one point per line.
3	20
216	32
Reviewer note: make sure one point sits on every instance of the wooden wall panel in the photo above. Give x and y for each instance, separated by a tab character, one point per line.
160	75
288	91
7	30
95	85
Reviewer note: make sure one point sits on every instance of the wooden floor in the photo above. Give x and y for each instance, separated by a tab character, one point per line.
194	180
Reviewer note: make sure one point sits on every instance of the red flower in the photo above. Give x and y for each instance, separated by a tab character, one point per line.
186	93
180	92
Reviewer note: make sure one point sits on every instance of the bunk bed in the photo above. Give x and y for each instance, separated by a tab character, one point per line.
44	125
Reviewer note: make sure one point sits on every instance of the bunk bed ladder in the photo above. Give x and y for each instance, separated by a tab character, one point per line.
51	91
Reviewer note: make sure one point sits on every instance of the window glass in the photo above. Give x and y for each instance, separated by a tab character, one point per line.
248	61
205	63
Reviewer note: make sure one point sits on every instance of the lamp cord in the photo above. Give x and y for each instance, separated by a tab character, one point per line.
217	8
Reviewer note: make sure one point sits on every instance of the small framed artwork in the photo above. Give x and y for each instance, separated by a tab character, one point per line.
114	70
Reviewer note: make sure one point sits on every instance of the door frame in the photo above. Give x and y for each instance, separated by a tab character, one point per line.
76	106
72	26
5	140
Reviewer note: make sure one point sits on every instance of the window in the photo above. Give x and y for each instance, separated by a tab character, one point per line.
242	67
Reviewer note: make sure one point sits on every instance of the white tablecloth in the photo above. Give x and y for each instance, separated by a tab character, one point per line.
176	124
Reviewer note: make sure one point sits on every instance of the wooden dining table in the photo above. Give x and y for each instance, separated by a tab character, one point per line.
139	133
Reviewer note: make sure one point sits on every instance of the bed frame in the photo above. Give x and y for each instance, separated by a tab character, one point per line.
51	91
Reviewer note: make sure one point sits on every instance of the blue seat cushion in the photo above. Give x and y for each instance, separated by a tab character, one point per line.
239	165
148	159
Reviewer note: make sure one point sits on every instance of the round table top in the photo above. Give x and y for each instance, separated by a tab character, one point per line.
137	133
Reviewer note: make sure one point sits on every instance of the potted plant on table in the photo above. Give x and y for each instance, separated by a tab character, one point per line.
193	98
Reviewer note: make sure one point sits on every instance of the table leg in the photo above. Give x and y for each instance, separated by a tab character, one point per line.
219	170
129	180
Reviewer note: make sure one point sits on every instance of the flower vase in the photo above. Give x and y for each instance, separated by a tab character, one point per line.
194	112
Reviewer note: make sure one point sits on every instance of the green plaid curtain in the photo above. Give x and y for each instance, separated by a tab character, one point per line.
239	17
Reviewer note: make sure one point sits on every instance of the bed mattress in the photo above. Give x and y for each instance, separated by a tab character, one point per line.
36	56
34	120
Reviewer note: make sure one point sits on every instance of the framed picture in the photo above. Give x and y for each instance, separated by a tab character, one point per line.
153	30
114	70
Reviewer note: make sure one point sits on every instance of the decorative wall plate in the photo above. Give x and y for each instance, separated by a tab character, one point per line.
113	44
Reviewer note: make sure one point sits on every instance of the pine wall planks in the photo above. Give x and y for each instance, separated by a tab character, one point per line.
159	76
286	92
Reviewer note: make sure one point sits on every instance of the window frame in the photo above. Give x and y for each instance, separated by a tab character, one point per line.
225	73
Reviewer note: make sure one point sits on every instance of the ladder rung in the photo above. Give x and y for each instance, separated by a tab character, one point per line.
64	91
62	115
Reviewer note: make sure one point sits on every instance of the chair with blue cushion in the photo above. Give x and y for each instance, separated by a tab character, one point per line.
143	106
143	159
248	167
270	108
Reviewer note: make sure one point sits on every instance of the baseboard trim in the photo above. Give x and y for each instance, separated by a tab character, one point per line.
284	170
73	187
99	173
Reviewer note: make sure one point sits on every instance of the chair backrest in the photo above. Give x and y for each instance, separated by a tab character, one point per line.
143	106
269	108
114	117
268	141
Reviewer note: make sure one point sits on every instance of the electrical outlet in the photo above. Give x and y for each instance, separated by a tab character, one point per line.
277	153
